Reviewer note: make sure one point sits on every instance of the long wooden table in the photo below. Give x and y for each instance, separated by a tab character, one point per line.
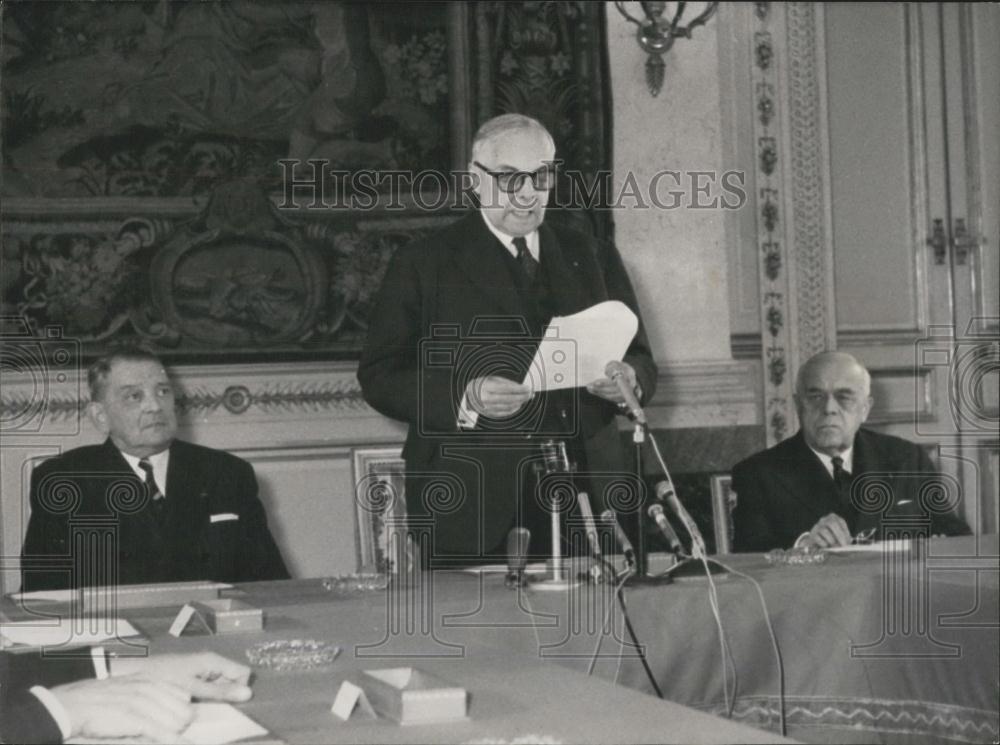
513	697
876	647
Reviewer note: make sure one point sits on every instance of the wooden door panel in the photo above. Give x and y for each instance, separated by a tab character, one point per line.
877	159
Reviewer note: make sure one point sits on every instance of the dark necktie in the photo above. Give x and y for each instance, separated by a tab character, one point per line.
153	492
528	264
842	479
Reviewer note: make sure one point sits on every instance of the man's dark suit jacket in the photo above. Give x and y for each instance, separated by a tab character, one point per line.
460	276
213	525
23	718
783	491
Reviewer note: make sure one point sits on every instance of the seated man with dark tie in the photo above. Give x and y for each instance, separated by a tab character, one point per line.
143	506
833	479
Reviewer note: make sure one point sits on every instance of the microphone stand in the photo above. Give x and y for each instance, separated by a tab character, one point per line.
639	575
700	563
555	460
641	554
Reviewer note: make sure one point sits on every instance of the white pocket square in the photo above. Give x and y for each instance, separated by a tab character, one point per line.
223	517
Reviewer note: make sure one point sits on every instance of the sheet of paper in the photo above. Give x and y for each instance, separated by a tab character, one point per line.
125	592
537	567
46	632
577	348
214	724
899	544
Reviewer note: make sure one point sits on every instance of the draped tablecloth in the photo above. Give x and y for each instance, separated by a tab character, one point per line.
899	646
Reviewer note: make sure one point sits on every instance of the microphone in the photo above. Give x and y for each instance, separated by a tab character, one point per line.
517	556
554	457
616	371
665	491
698	548
588	523
609	518
600	571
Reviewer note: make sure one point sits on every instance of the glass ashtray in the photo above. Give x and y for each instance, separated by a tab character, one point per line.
293	654
351	583
796	556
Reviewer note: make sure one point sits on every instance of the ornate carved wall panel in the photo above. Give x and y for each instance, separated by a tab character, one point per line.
233	275
790	197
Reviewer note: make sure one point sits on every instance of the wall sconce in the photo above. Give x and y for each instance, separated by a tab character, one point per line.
656	32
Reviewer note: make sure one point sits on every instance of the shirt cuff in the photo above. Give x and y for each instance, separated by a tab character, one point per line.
467	418
55	708
800	539
102	666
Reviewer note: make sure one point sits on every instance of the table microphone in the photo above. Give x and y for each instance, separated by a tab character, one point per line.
517	556
664	491
697	542
611	519
554	457
589	526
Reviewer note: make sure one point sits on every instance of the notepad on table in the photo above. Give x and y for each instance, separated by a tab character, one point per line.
63	632
896	544
213	724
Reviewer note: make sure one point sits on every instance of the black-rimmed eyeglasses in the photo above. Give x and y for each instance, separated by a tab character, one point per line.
512	181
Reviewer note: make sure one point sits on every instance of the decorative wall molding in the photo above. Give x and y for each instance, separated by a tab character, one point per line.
777	310
688	394
810	180
791	201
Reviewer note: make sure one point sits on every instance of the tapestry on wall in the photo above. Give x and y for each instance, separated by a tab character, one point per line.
150	150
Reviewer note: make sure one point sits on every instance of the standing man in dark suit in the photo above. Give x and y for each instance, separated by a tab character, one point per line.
834	479
453	332
173	510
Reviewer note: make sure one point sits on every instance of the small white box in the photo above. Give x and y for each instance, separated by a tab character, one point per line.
223	616
412	696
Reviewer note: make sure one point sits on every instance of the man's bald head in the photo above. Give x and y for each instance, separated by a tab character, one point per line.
833	399
841	360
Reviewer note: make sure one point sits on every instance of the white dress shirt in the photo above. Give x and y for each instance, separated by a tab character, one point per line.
827	460
467	418
847	456
159	463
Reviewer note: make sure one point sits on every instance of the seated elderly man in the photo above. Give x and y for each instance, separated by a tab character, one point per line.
811	489
48	699
170	510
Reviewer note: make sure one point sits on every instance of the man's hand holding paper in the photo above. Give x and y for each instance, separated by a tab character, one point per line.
496	397
577	348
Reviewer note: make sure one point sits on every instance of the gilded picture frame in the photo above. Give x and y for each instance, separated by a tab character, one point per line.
379	505
723	504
